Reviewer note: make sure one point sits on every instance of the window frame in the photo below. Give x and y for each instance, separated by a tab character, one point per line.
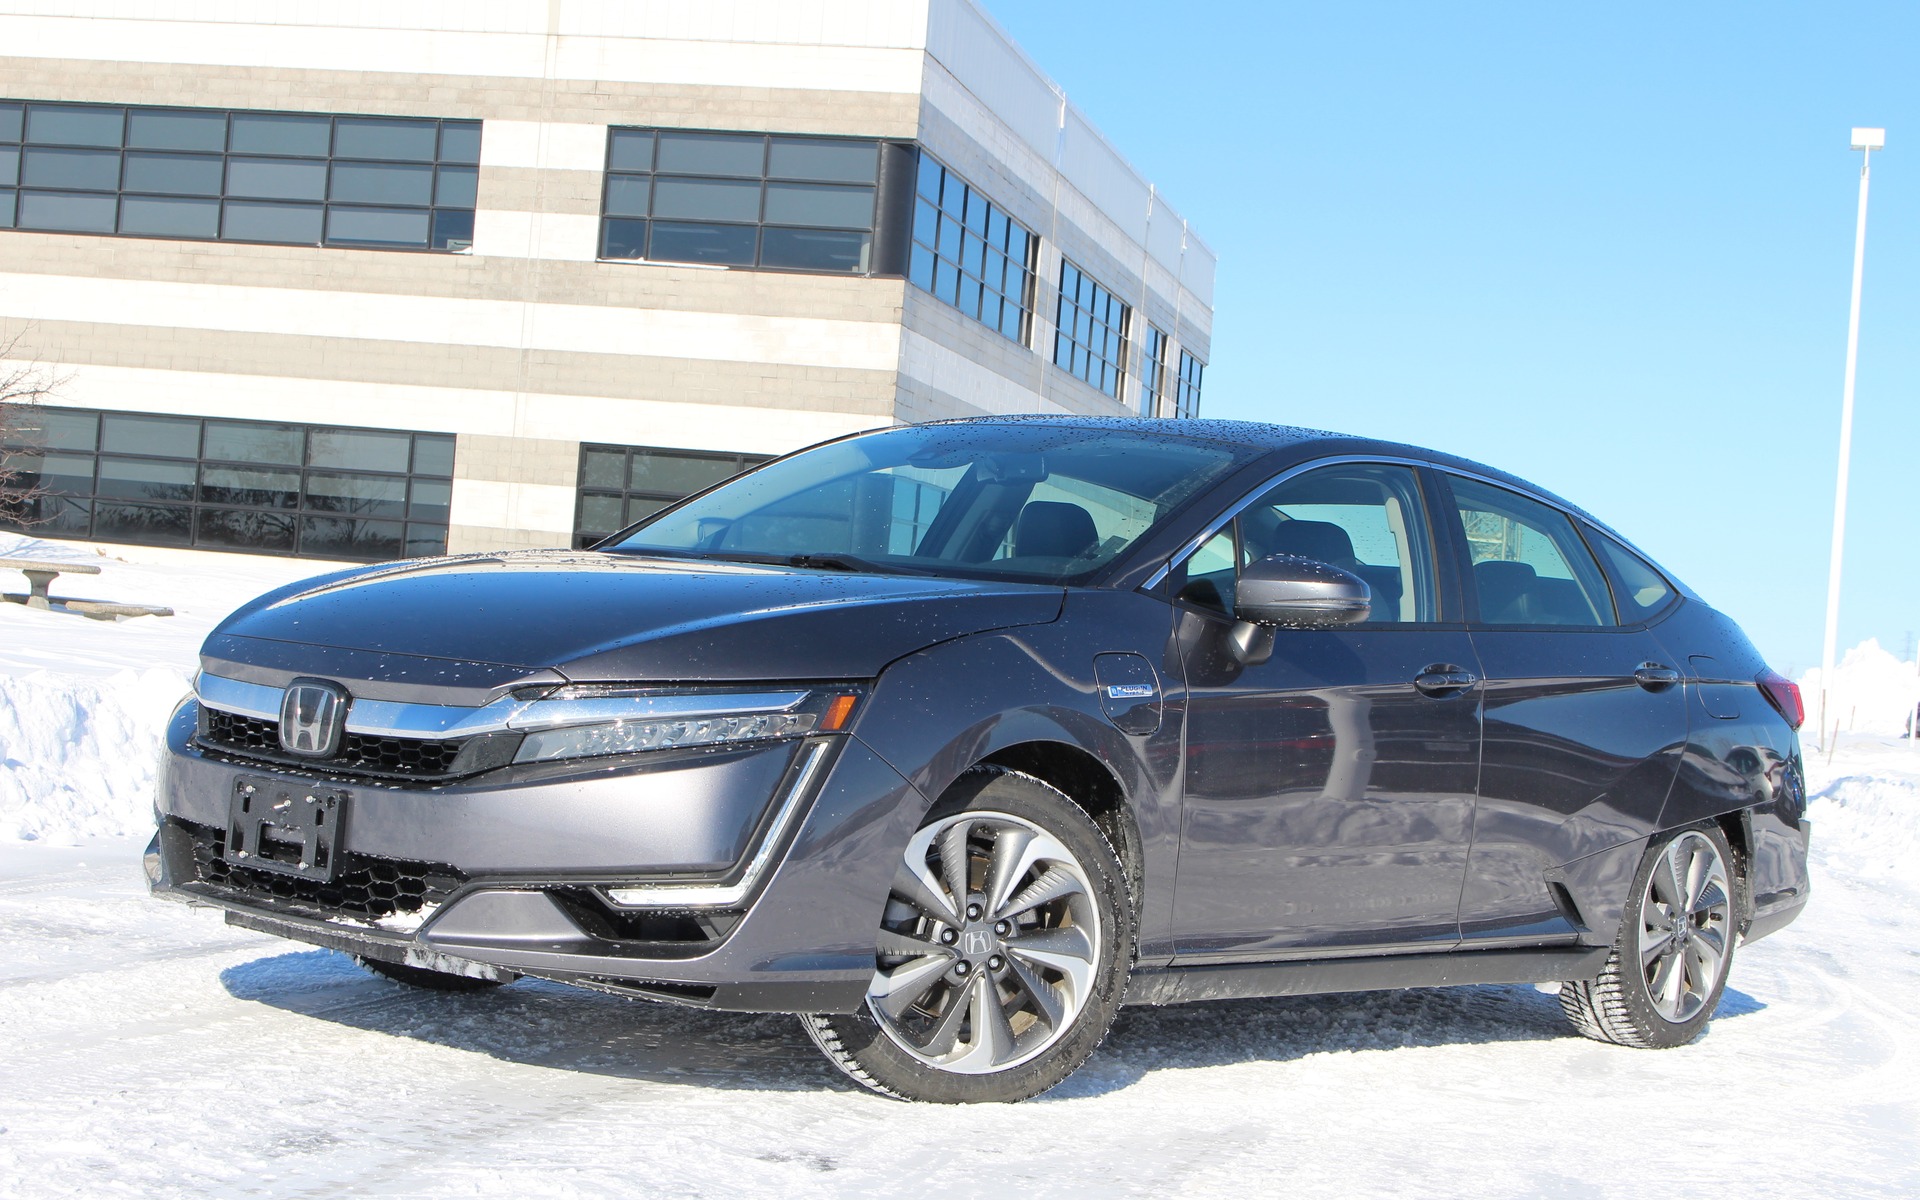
1186	405
584	538
1153	369
455	237
414	530
1595	537
614	176
929	219
1067	338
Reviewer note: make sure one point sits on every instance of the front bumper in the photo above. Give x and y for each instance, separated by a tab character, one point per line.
509	872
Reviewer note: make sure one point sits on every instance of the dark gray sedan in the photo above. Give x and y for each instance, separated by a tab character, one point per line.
954	738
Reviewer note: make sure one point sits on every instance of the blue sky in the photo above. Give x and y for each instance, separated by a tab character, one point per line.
1606	247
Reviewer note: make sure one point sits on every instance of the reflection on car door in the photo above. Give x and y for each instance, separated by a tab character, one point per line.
1328	797
1583	717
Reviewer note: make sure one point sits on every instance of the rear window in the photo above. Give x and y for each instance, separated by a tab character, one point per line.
1641	589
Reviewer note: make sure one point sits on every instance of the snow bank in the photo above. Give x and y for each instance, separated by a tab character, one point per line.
78	754
1872	692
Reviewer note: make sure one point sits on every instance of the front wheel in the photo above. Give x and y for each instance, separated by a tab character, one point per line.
1002	954
1669	963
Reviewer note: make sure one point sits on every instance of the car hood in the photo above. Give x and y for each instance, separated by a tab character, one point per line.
501	619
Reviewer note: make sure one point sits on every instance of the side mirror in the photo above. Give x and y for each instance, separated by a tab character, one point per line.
1288	591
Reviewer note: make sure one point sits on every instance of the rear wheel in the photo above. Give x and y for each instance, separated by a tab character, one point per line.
1670	961
1002	953
422	977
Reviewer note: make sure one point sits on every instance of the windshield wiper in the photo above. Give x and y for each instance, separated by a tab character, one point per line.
848	562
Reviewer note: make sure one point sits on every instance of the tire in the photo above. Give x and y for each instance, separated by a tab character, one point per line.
434	981
1664	978
1005	994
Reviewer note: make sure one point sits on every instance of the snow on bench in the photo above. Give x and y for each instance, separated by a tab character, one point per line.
40	573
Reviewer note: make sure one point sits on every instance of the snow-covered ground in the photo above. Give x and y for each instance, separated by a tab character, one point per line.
148	1050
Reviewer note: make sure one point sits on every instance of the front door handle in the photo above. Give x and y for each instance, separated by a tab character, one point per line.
1654	677
1444	679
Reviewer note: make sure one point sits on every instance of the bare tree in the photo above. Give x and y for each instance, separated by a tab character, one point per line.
22	387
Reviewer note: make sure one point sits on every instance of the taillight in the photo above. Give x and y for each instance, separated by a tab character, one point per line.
1784	694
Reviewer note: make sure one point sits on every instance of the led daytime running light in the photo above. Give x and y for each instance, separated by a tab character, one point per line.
633	737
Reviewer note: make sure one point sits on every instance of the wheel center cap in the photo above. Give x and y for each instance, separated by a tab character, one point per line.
977	942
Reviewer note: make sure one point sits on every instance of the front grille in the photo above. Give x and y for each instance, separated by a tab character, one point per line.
360	753
364	887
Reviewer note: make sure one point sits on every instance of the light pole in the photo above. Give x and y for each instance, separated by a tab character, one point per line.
1866	141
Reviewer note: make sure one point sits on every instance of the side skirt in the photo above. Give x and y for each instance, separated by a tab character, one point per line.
1243	981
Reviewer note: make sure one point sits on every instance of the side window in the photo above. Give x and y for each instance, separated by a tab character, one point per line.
1364	518
1642	590
1529	566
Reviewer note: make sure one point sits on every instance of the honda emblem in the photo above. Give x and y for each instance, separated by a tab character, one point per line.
312	717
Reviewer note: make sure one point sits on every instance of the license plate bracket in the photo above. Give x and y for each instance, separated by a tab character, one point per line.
285	826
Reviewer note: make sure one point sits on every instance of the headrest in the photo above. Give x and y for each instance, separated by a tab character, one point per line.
1322	541
1053	529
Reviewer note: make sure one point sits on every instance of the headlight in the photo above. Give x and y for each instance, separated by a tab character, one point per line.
593	721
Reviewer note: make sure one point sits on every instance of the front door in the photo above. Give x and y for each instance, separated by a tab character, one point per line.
1330	788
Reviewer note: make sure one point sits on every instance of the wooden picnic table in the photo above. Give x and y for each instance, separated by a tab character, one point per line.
40	573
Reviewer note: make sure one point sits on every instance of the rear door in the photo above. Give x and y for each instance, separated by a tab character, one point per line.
1329	789
1584	716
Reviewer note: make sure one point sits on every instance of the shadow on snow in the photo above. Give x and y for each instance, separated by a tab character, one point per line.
551	1025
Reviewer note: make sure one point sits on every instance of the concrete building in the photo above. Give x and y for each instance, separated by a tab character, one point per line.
357	279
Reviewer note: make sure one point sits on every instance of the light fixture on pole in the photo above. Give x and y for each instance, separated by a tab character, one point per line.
1866	141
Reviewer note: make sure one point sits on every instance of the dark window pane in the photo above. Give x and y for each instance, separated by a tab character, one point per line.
176	129
9	122
432	454
600	514
707	199
258	488
251	221
338	537
820	204
73	125
632	151
711	154
255	442
809	158
170	217
167	437
382	183
231	529
365	450
377	226
277	178
9	165
623	239
627	195
145	523
59	429
681	242
61	472
146	479
816	250
95	169
429	499
265	133
361	495
677	474
459	187
460	142
425	541
388	137
604	469
453	229
640	506
55	516
173	174
6	208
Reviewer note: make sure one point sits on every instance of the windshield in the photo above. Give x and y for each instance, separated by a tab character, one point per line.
1035	502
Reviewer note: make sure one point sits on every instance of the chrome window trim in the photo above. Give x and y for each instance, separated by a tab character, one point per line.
1193	544
388	718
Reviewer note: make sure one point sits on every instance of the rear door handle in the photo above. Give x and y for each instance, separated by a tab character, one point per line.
1654	677
1443	679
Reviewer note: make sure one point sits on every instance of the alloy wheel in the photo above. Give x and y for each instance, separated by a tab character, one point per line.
1686	927
988	947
